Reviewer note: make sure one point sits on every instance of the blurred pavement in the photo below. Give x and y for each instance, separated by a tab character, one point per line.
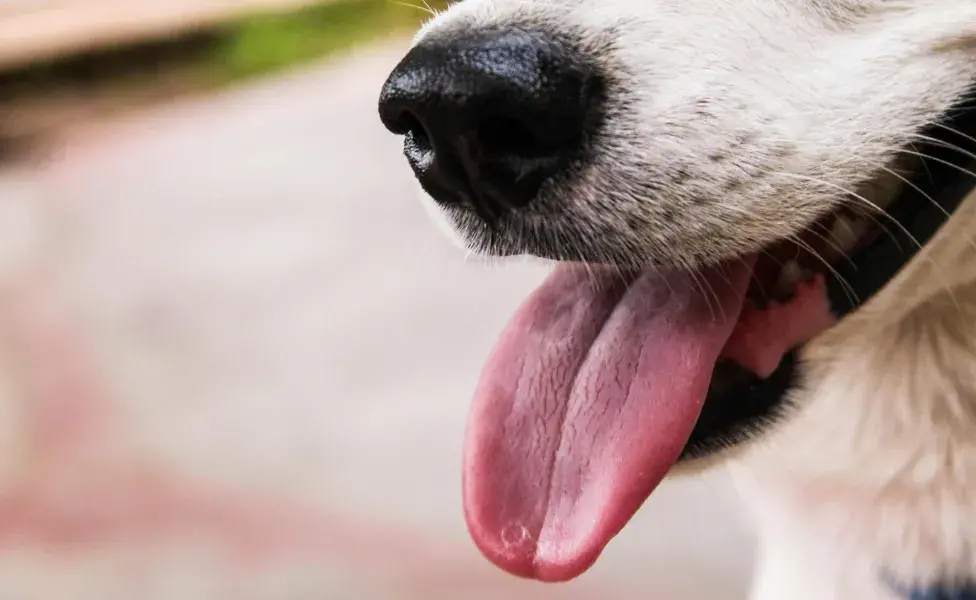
235	363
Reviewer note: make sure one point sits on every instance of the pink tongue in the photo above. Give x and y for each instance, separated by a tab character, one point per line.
583	407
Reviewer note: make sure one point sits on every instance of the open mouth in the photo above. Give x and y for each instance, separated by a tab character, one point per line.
604	380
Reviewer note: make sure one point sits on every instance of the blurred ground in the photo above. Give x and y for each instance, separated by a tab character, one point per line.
235	362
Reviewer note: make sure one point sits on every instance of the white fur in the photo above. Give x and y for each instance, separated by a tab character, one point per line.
876	469
772	109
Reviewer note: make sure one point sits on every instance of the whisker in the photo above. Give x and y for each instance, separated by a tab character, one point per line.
422	9
946	213
856	196
963	170
826	237
944	144
945	127
698	280
925	165
848	288
766	296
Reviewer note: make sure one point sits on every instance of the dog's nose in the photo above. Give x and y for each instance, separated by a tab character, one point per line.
488	118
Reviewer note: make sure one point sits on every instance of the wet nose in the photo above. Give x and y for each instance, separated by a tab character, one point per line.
488	118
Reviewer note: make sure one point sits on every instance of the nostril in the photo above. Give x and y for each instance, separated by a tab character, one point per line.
417	144
412	127
401	122
502	136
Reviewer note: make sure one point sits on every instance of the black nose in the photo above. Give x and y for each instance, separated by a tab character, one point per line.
488	118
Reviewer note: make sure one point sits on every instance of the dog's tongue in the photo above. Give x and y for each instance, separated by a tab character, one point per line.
585	404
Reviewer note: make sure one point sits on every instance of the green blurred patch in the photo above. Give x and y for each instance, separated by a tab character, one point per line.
260	44
246	47
103	81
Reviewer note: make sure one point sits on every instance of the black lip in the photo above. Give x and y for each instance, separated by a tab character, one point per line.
742	402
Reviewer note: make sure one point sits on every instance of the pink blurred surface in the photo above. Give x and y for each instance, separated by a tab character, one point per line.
236	363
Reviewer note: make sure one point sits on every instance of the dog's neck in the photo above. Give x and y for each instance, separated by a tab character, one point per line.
914	344
896	371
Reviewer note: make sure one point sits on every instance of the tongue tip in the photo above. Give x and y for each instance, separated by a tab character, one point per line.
525	559
517	550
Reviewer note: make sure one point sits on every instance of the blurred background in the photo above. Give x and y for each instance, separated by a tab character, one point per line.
235	355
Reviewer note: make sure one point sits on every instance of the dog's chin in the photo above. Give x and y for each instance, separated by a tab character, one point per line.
741	404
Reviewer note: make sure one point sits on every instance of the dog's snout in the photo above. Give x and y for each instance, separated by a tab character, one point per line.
488	118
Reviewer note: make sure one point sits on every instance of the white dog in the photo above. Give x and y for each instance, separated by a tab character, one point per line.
751	203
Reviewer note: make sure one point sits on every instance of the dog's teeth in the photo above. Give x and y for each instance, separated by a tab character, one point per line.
846	231
788	276
885	189
882	191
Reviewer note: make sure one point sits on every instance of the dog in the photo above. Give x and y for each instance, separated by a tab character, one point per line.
762	224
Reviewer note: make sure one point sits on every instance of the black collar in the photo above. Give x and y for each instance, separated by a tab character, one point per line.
939	592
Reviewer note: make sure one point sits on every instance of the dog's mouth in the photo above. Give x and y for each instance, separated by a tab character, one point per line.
604	380
595	388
